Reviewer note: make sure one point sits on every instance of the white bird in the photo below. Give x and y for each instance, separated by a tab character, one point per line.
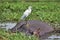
26	13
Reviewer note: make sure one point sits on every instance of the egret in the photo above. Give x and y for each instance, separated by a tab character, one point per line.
26	13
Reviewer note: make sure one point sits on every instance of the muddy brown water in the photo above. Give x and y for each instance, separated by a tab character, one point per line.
53	36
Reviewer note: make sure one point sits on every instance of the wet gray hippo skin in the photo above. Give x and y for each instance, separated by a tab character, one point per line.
30	26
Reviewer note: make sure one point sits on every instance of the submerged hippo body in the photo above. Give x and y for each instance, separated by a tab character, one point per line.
31	26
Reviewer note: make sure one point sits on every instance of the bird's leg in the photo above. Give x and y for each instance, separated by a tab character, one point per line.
26	21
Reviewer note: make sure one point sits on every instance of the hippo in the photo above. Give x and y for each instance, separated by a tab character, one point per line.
33	27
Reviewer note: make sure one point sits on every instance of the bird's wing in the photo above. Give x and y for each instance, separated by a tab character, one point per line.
27	12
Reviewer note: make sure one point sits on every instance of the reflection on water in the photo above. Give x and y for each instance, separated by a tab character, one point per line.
52	39
10	25
7	26
54	36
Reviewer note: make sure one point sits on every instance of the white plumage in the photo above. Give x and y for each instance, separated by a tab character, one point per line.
26	13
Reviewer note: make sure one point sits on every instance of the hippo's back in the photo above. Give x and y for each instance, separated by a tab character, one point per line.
44	27
33	25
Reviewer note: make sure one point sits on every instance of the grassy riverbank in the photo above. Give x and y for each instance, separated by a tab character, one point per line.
12	11
15	36
45	11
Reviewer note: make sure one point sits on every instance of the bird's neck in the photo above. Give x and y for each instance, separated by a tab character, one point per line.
29	8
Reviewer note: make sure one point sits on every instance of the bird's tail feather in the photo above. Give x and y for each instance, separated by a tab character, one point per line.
23	17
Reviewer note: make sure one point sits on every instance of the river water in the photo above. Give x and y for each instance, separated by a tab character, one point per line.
10	25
